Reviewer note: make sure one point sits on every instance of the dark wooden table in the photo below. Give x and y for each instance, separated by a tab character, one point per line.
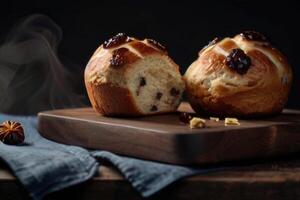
272	179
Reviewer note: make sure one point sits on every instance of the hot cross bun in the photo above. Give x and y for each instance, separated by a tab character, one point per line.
243	76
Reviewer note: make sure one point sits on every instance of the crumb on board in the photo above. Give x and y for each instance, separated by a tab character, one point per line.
216	119
231	121
197	122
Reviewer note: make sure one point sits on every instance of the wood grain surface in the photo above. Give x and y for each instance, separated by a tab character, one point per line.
164	138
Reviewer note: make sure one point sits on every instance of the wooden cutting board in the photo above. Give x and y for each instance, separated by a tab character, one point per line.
164	138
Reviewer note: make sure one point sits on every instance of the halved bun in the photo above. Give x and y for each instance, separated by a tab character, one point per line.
131	77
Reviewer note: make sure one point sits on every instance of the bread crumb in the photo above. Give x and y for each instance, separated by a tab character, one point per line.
231	121
216	119
197	122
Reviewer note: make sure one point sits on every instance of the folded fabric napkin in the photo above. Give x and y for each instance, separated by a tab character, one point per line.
43	166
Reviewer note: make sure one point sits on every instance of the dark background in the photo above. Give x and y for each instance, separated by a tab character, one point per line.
183	27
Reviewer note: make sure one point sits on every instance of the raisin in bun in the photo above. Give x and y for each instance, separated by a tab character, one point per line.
243	76
131	77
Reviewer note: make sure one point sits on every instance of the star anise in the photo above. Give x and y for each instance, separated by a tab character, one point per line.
11	133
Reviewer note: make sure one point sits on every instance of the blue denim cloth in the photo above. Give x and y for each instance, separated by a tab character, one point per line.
43	166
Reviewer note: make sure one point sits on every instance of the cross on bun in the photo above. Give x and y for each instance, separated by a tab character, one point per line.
131	77
243	76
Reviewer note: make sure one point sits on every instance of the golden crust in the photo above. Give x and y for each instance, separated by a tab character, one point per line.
212	87
144	48
111	100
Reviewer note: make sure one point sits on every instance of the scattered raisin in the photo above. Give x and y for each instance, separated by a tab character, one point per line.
158	95
117	40
156	44
118	57
253	35
142	81
185	117
153	108
174	92
237	60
